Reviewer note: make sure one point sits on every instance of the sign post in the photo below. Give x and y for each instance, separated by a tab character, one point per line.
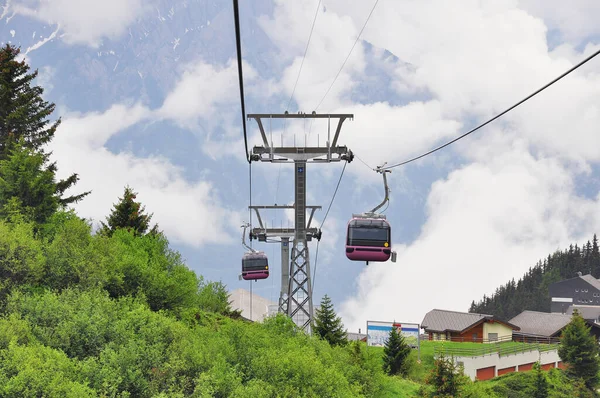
379	331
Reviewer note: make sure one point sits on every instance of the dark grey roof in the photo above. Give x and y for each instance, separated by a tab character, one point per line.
591	280
442	320
540	323
356	336
586	311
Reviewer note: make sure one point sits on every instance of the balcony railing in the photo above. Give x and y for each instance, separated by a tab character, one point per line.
502	349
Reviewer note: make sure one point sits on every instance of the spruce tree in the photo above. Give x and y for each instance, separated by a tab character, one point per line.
579	350
128	214
328	325
26	187
446	378
540	388
595	258
395	354
23	116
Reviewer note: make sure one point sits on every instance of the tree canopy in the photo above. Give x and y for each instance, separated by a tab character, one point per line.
530	292
395	354
328	325
26	186
129	215
579	350
24	118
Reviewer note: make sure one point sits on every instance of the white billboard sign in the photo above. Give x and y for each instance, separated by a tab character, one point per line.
378	332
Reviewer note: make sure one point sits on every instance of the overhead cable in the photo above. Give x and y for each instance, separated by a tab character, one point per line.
321	226
347	57
304	56
295	84
238	42
498	115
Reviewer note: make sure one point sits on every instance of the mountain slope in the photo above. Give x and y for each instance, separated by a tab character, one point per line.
531	291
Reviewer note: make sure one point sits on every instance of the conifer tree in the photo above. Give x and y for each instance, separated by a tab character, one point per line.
446	378
23	116
26	187
579	350
595	258
395	354
328	325
128	214
541	384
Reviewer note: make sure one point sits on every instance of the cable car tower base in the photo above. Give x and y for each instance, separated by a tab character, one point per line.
296	288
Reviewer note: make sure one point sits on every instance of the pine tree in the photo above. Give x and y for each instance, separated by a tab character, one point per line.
579	350
26	187
595	258
328	325
446	378
541	384
23	116
128	214
395	354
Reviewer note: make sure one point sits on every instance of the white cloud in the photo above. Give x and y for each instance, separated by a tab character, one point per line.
380	132
487	222
575	23
332	38
182	209
95	128
45	77
85	21
205	98
474	59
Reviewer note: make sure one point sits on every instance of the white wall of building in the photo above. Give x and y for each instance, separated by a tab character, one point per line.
471	364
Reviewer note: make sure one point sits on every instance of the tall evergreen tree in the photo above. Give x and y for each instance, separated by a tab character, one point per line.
579	350
540	389
446	378
23	116
595	258
26	187
128	214
395	354
328	325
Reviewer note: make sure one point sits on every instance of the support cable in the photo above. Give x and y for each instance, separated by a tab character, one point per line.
346	60
250	196
238	43
304	56
343	64
498	115
363	162
296	84
322	223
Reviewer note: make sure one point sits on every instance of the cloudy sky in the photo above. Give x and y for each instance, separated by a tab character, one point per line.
148	95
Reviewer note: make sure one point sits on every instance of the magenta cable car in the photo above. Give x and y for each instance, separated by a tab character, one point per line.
368	239
369	235
255	265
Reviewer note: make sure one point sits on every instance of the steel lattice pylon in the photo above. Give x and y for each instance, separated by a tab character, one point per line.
300	304
296	286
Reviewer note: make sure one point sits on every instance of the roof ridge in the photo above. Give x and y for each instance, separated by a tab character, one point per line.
542	312
460	312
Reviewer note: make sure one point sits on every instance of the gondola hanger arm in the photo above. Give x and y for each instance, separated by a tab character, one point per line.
245	226
381	170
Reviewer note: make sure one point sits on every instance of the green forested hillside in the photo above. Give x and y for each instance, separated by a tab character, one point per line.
93	315
531	291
